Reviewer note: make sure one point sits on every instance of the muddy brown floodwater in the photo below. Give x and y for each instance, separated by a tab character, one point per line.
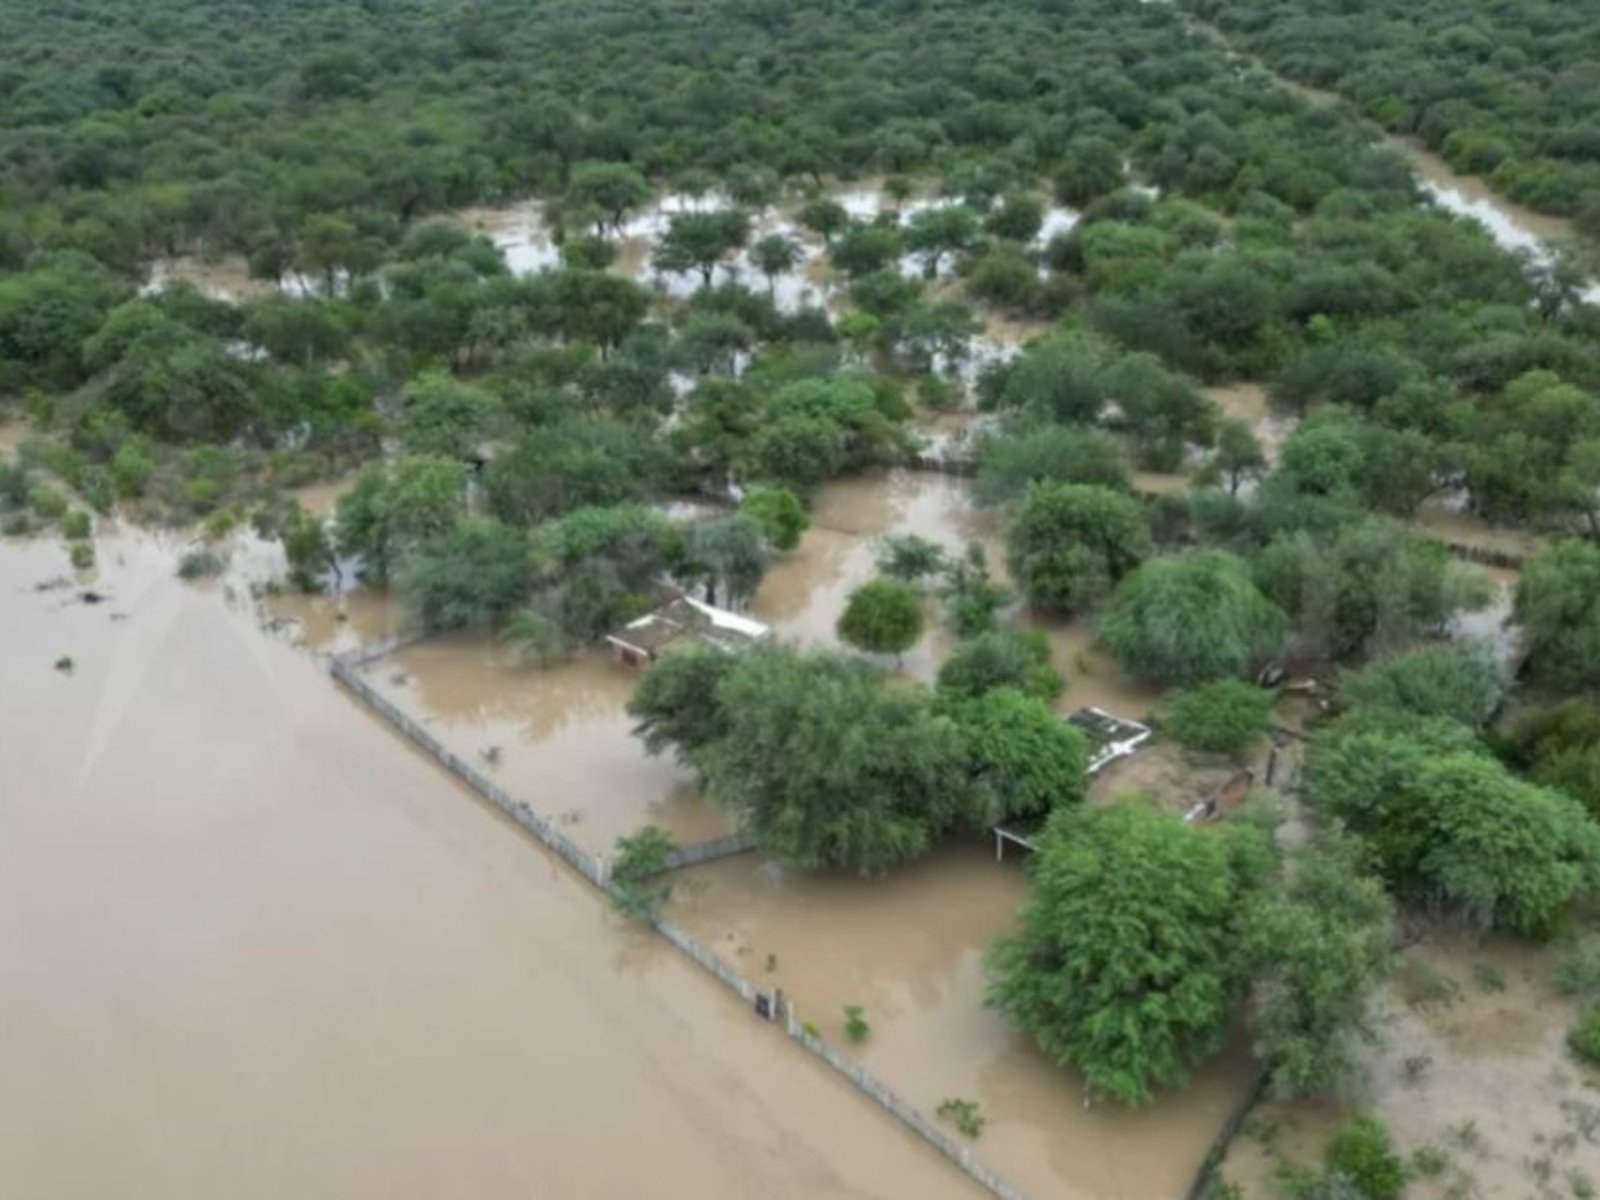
253	946
909	949
558	737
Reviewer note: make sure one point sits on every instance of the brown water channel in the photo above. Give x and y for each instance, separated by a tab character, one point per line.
253	946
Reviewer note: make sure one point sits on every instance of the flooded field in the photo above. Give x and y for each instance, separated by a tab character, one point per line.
233	905
804	593
558	737
1475	1067
909	949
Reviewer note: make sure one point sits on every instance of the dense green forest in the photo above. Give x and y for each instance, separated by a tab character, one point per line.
515	433
1509	90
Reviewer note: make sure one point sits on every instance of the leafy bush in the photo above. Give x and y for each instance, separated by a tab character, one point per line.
200	564
1191	617
47	504
1225	716
910	558
783	518
856	1027
1584	1038
1363	1153
1578	967
1458	682
76	525
1070	544
1446	823
882	617
637	864
1002	658
965	1115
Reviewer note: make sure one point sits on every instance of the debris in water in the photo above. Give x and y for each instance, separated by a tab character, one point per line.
65	665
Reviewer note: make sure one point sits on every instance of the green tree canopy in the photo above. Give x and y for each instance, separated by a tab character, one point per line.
1558	607
882	617
1026	760
1461	683
1070	544
1316	952
1191	617
1447	824
469	577
1132	1014
1002	658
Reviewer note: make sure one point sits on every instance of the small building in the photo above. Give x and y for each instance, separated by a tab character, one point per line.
1110	738
682	621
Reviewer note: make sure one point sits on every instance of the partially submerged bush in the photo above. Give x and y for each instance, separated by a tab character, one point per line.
1584	1039
637	866
76	525
200	564
1363	1153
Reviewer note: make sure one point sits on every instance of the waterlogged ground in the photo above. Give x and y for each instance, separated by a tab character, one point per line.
252	945
909	949
560	738
1474	1071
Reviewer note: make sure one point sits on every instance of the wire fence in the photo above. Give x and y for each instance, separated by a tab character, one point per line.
710	851
957	1152
346	670
592	868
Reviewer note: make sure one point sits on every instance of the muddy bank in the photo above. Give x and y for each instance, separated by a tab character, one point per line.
233	905
909	950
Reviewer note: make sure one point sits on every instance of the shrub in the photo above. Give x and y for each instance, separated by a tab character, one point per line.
47	503
637	865
856	1027
910	558
1578	967
1362	1152
1457	682
200	564
1584	1039
82	555
1002	658
1224	716
882	617
965	1115
781	516
1191	617
76	525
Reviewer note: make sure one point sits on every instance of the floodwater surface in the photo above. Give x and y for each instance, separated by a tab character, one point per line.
558	737
253	946
909	949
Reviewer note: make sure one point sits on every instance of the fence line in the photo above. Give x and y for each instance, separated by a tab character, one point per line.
710	851
957	1152
344	670
1219	1145
590	867
707	958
